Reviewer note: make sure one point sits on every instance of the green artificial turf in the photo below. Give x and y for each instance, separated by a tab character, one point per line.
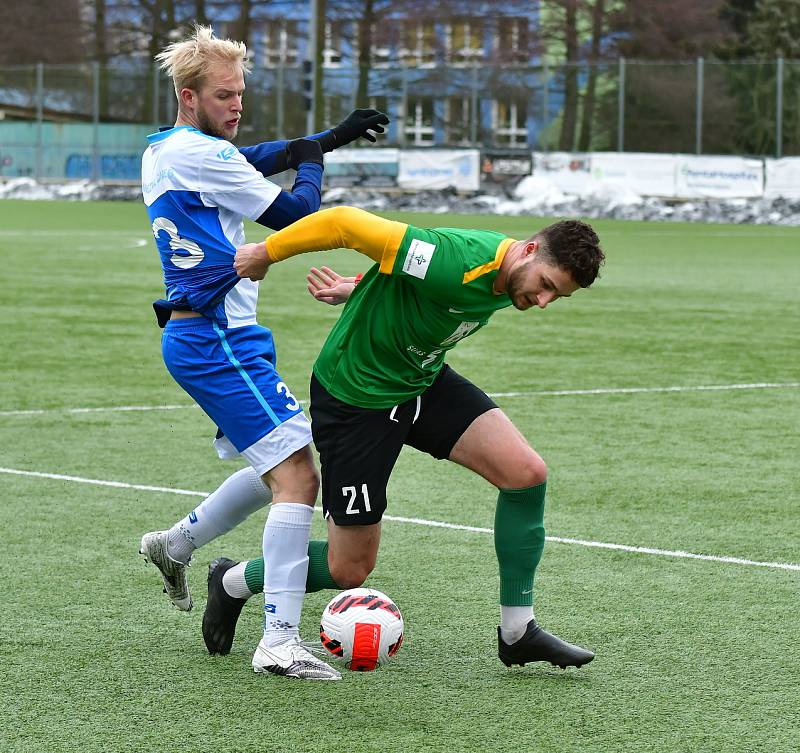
692	654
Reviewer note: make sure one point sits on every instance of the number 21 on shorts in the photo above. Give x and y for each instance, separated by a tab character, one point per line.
352	493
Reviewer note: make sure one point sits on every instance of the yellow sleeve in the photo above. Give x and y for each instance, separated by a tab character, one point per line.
340	227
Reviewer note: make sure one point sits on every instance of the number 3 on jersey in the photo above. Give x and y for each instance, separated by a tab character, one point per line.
291	403
352	493
176	243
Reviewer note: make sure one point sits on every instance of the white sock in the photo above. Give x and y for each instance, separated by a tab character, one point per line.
234	582
285	548
513	622
237	497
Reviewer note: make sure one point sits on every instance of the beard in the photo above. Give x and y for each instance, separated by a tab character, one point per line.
212	129
514	285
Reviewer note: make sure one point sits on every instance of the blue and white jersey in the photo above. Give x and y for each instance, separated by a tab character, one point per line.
197	189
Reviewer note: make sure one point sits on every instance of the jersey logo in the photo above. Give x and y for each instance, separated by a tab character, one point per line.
463	329
177	243
418	258
227	153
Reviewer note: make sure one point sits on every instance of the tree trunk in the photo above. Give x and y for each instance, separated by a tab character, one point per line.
101	52
365	53
585	139
567	139
244	21
200	16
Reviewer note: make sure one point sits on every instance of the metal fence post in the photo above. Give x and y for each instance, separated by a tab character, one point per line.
279	114
621	107
156	124
172	106
401	134
779	110
545	104
698	126
39	119
95	120
473	135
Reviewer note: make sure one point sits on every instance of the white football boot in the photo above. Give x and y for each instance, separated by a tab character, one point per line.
173	573
292	659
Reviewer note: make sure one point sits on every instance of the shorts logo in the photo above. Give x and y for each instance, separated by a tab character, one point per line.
193	517
418	258
270	608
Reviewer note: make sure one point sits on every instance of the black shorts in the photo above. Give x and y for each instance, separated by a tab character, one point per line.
358	447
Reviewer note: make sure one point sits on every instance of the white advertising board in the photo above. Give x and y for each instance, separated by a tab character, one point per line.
718	177
782	178
570	172
644	174
440	168
362	156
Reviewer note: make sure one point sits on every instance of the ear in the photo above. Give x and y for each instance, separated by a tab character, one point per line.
187	98
530	248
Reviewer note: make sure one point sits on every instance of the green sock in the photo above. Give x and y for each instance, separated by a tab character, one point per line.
319	576
519	542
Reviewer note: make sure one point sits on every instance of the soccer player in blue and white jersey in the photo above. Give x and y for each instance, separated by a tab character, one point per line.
198	188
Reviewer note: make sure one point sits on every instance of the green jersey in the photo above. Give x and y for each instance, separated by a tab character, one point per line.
391	339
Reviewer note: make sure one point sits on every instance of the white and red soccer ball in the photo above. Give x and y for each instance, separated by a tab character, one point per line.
362	626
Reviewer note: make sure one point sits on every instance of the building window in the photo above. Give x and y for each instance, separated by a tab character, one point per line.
332	51
418	45
458	119
381	51
418	127
512	39
508	123
279	44
465	42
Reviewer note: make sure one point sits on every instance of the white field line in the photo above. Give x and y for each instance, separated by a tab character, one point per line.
436	524
645	390
536	393
109	409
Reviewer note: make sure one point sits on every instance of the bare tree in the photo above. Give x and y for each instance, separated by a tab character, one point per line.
41	31
570	117
243	26
598	26
676	30
365	24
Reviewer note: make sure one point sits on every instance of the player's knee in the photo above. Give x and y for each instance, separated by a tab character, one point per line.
529	471
350	574
350	568
298	480
308	480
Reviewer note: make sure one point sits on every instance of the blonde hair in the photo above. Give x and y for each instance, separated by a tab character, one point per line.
188	62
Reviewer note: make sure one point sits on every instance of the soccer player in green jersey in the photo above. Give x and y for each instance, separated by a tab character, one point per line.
381	381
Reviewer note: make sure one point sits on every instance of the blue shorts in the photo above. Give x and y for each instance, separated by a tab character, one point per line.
231	375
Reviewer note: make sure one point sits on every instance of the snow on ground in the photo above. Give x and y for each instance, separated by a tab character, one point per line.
533	196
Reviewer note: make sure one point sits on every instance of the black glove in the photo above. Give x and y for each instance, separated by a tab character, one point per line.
302	150
357	124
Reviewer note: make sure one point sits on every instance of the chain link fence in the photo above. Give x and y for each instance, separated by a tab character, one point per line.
89	121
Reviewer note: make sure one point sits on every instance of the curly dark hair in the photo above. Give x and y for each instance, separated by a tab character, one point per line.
573	246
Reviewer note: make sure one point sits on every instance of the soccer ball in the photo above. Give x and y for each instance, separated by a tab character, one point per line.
362	626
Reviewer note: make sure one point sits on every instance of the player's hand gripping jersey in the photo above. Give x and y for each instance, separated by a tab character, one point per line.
197	189
429	290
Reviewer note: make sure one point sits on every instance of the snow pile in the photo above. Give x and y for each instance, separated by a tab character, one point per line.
534	195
